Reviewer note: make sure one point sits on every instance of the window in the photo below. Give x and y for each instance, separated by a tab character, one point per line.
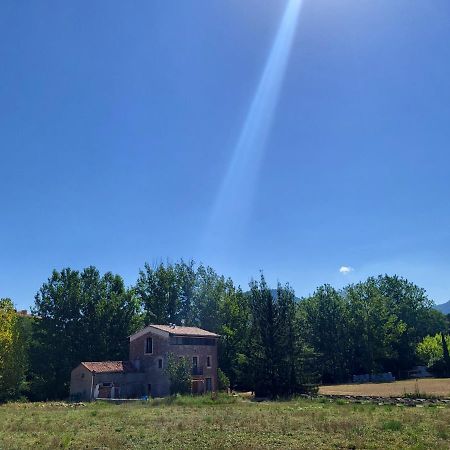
149	346
194	362
208	386
160	363
208	361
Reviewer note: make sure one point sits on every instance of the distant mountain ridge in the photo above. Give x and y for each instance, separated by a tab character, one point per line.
274	295
443	307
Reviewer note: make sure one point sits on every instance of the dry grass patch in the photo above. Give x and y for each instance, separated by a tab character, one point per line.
439	387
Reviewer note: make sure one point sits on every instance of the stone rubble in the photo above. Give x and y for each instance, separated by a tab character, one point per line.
398	401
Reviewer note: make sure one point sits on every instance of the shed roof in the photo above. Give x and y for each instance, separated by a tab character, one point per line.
109	366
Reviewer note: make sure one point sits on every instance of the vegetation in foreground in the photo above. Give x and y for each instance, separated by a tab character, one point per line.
228	422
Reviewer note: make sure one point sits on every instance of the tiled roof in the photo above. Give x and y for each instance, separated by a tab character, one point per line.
184	331
109	366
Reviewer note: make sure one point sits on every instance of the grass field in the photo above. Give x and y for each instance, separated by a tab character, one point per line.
431	386
229	422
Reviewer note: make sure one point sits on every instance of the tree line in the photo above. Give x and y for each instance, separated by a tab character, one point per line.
271	342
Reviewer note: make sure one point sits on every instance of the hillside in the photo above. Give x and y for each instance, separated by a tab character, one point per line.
443	307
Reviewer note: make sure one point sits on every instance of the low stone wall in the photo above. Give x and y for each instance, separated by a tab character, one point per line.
398	401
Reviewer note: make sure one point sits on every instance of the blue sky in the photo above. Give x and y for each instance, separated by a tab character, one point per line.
120	122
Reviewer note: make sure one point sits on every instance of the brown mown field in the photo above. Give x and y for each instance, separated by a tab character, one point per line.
439	387
228	422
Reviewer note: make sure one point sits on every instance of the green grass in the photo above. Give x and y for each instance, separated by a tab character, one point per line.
228	422
392	425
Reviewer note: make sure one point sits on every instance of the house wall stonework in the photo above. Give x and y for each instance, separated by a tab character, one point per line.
162	346
156	378
83	383
80	383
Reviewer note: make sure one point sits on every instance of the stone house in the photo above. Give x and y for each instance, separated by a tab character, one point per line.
144	373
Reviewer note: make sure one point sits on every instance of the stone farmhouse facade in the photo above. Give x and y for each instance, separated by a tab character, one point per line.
144	374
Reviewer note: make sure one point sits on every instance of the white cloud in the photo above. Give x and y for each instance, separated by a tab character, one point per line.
346	270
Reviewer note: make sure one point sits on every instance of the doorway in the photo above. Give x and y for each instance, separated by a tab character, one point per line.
197	387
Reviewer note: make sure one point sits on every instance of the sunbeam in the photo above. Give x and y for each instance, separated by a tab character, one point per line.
236	192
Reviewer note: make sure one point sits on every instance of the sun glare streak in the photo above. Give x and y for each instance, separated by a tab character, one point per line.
233	201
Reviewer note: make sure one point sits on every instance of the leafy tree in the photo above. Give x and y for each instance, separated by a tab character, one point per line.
411	307
115	317
326	322
223	380
434	352
82	317
210	289
186	279
158	292
234	318
374	328
178	370
12	352
430	349
434	322
26	325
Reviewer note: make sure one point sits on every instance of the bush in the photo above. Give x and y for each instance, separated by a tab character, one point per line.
179	372
430	350
223	380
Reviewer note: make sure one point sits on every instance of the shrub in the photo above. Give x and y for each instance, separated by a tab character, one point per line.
430	349
223	380
179	372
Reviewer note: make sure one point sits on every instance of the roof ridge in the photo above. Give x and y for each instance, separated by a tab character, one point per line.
109	366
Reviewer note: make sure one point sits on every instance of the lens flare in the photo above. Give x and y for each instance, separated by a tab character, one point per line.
233	202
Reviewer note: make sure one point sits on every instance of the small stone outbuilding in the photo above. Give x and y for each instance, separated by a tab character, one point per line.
106	379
